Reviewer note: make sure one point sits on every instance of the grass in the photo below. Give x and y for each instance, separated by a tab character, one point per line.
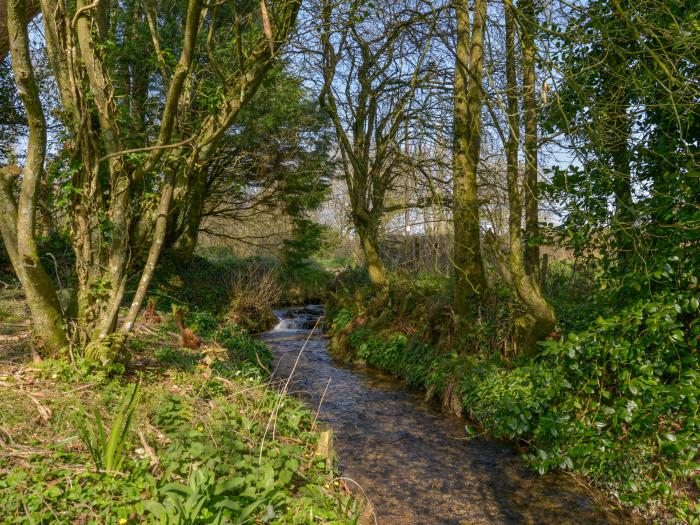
187	449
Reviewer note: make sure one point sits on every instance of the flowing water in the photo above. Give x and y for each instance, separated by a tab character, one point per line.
416	464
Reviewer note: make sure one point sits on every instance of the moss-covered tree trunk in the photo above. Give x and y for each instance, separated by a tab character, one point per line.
19	218
368	233
539	318
192	215
532	210
32	7
470	281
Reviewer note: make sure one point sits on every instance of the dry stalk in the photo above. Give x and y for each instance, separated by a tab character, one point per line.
273	414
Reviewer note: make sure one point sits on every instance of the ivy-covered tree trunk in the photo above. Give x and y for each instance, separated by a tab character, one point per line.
615	98
470	281
19	217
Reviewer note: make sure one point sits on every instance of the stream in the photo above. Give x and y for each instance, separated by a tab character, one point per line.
416	464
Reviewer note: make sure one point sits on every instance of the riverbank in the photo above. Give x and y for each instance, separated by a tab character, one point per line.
587	404
190	435
415	463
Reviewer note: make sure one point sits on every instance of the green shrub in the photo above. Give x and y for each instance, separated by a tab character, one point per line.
203	323
242	347
616	401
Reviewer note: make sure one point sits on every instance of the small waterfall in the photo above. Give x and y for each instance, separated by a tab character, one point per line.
297	319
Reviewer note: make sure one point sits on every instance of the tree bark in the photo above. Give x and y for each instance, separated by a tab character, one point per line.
367	231
32	11
532	228
539	319
193	213
39	290
470	280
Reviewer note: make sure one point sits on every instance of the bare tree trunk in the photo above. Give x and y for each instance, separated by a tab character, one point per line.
39	290
540	319
470	281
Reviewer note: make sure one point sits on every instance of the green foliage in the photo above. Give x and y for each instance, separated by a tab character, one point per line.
107	450
630	202
206	425
203	323
305	242
242	348
616	401
11	112
304	283
200	501
214	284
32	496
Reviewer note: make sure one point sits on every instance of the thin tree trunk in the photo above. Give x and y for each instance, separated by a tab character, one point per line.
182	69
212	133
540	318
532	228
470	281
39	290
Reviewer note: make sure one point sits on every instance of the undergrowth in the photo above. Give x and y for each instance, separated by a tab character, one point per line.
202	439
615	401
242	291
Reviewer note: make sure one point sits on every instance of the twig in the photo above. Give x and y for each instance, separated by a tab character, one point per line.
318	410
364	495
44	412
148	450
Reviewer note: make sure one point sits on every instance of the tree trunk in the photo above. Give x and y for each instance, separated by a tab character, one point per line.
618	134
39	290
367	231
539	319
194	11
192	220
470	281
532	228
32	11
